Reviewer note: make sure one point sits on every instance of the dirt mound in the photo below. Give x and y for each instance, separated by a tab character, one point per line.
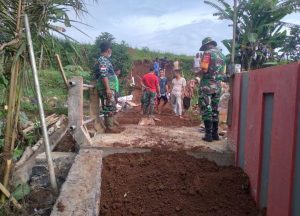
133	116
167	118
172	183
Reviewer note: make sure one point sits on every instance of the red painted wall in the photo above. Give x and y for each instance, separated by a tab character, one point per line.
233	135
284	82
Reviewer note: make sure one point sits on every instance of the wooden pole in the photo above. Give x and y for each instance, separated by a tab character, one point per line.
8	195
232	67
234	31
41	58
13	108
61	69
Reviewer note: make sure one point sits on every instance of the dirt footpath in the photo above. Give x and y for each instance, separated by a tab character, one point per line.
172	183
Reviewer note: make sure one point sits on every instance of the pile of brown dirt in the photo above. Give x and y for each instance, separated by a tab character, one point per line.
167	118
172	183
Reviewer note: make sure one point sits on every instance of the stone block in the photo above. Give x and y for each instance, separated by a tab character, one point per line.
80	194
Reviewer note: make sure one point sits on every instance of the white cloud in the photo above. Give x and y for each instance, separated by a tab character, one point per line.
150	24
169	25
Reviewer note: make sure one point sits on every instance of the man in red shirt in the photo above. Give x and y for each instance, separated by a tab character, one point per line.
151	85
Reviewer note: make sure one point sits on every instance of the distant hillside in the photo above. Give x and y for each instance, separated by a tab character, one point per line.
146	53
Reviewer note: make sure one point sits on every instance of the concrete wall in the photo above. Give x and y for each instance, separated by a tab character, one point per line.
265	134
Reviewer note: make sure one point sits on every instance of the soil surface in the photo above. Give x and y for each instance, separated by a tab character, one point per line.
172	183
40	202
167	117
67	144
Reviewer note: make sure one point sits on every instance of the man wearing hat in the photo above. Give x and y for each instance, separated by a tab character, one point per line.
212	70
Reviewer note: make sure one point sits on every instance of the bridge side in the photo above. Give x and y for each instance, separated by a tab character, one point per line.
265	135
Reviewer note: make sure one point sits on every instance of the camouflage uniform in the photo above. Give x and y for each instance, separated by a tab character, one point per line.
105	69
148	101
210	85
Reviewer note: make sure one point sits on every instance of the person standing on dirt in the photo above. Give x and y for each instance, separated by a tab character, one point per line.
164	90
176	65
178	88
156	67
197	61
212	69
151	85
107	84
164	63
189	92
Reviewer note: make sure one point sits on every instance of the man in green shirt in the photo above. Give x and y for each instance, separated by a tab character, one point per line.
107	86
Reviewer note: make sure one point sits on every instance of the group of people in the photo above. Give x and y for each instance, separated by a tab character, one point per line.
157	91
210	67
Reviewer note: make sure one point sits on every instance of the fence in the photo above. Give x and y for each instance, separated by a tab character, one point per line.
265	134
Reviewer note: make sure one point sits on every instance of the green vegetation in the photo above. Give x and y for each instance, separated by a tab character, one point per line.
146	53
260	30
186	62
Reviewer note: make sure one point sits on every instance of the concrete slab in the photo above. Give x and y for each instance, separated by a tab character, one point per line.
182	138
80	194
56	157
110	150
220	158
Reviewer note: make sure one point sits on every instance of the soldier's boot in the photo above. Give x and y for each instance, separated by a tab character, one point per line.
215	128
208	131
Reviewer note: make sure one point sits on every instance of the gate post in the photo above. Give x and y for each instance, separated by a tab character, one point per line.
75	112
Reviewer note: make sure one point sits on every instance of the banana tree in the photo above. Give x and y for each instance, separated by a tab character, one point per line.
45	17
259	28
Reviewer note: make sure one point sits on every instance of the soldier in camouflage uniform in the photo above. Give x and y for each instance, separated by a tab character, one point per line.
212	70
106	85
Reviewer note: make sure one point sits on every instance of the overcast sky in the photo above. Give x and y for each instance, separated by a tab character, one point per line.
176	26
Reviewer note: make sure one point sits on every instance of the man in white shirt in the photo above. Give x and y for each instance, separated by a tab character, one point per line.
178	88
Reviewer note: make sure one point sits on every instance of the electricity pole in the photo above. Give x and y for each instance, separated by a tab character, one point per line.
234	31
232	66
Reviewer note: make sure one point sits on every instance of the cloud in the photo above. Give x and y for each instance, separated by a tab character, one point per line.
170	25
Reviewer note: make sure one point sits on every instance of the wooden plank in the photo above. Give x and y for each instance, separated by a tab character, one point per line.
75	103
61	69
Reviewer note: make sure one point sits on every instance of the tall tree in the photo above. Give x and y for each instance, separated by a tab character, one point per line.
259	28
291	49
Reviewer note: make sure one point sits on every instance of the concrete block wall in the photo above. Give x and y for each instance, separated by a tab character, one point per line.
265	135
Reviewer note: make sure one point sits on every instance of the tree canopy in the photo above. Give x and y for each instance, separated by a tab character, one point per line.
260	30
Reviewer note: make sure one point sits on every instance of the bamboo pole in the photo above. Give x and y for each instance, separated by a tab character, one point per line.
8	195
12	116
40	105
41	57
10	136
61	69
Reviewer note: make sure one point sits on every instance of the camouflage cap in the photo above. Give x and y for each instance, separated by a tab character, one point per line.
207	40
